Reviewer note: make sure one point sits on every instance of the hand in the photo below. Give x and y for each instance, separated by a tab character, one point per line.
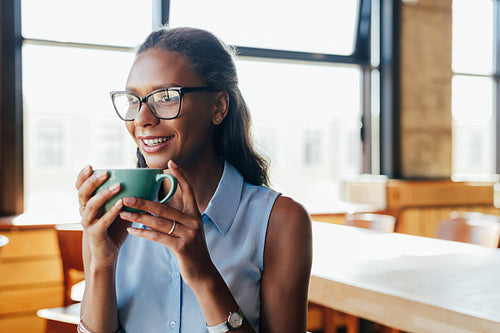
103	233
186	241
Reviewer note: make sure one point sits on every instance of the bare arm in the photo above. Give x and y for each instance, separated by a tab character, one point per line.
287	268
103	236
99	309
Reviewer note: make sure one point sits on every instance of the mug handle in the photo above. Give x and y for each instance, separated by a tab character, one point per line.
173	185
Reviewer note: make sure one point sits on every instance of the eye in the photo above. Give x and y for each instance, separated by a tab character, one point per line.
165	97
132	100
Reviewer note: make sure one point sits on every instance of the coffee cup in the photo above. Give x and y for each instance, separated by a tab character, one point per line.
141	183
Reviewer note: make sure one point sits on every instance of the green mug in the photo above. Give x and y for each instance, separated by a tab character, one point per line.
141	183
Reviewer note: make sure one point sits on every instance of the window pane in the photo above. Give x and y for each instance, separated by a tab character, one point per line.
280	24
473	125
69	119
306	119
114	22
472	36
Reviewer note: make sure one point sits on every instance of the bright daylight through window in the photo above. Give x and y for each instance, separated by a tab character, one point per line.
306	115
473	89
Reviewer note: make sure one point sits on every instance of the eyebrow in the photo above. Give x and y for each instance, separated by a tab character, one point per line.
157	87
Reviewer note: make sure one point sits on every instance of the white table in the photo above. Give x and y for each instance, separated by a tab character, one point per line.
415	284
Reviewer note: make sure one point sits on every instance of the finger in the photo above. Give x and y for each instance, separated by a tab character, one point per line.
109	217
188	198
88	187
156	208
153	235
82	176
155	223
98	200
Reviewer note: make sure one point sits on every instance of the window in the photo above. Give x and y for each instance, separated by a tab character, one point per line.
314	26
69	67
50	143
315	108
316	62
474	88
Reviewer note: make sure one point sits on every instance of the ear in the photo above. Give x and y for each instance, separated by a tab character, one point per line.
221	107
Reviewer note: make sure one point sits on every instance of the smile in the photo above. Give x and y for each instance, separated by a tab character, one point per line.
156	141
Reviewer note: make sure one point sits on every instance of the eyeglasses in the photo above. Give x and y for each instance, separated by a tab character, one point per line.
164	103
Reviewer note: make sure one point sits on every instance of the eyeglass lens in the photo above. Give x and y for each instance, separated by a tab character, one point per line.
163	104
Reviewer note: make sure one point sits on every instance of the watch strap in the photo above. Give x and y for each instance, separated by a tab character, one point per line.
226	326
220	328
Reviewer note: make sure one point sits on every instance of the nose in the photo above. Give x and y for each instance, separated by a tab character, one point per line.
145	117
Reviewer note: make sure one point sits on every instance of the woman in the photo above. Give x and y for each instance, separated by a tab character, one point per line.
226	253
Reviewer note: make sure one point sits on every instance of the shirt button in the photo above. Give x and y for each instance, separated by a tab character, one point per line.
176	274
173	324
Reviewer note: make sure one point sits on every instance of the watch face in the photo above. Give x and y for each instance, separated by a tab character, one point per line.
235	320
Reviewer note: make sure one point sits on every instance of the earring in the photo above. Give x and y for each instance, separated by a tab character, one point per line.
217	119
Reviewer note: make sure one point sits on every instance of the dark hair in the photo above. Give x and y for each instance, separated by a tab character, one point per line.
212	61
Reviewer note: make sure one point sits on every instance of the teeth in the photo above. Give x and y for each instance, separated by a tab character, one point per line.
155	141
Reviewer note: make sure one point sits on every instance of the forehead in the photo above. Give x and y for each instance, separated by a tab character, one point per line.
155	67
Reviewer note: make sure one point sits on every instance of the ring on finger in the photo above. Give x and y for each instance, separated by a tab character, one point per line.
173	228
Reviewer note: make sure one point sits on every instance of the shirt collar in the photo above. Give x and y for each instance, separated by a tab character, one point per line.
223	206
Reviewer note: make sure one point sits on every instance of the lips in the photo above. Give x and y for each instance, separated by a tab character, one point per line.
156	141
154	144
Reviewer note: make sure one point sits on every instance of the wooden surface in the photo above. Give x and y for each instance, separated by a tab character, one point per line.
34	220
420	193
68	314
419	206
411	283
30	279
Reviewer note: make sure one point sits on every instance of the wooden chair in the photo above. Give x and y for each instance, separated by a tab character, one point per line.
65	319
378	222
471	227
69	237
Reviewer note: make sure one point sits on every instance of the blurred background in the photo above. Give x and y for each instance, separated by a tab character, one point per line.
309	72
386	106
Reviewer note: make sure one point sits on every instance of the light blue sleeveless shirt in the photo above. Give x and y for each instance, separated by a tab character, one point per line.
152	296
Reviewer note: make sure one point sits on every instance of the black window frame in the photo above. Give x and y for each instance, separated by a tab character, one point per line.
11	108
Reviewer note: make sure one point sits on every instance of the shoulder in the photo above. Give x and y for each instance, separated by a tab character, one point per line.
289	214
289	225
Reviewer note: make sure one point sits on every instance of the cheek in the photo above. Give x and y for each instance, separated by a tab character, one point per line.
130	128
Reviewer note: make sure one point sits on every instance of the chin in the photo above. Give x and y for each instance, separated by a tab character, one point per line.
155	163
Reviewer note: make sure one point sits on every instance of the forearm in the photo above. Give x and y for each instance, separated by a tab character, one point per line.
99	307
216	301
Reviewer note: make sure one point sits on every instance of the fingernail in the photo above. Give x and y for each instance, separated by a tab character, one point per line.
114	187
129	200
87	169
101	174
173	165
125	214
118	203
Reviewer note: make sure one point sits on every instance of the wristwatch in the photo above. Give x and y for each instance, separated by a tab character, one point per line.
233	322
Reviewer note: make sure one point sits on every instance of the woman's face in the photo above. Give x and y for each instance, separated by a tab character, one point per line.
185	139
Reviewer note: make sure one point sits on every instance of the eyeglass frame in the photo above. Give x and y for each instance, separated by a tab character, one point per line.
180	90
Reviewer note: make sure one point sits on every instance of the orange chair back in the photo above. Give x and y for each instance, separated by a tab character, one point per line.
69	237
474	228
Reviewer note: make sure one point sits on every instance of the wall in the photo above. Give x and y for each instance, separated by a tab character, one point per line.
426	35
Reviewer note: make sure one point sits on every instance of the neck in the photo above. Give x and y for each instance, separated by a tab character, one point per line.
204	178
